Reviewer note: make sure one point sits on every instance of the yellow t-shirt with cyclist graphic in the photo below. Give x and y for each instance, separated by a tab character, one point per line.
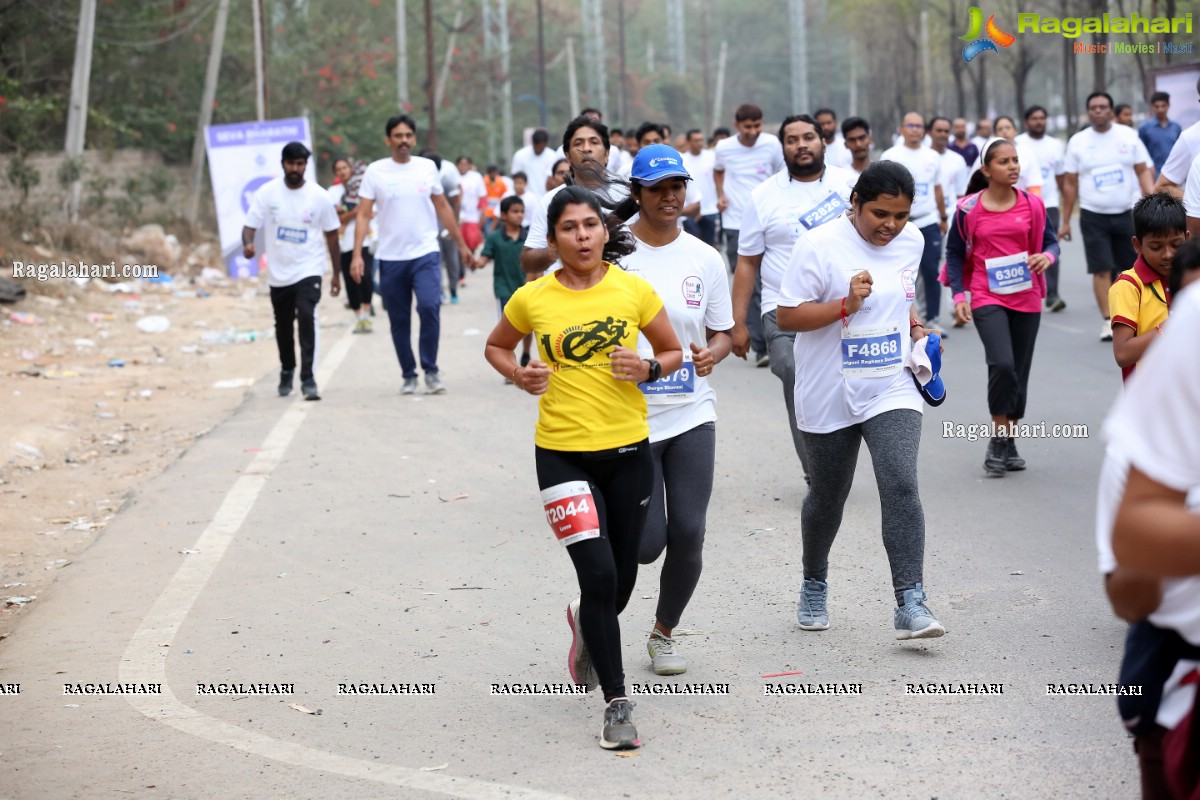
585	408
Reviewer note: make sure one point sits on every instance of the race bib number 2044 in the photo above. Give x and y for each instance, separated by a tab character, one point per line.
571	512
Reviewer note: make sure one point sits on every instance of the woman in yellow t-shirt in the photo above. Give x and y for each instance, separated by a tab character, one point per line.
592	451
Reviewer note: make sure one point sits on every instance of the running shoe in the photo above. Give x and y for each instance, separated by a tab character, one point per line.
995	463
933	327
1055	303
762	360
579	660
1106	331
309	389
664	658
914	620
410	385
813	613
453	299
1012	460
285	381
433	384
367	325
618	732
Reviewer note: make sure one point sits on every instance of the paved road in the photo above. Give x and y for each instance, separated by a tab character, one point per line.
372	538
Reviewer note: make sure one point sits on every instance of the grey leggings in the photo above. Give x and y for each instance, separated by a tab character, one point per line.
783	365
683	480
893	438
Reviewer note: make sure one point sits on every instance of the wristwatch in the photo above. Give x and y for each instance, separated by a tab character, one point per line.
655	370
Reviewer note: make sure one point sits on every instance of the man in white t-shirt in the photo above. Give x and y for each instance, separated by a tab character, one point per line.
1050	152
836	152
929	212
856	133
698	161
474	196
536	160
1105	167
804	195
954	173
983	132
408	192
586	144
297	216
740	164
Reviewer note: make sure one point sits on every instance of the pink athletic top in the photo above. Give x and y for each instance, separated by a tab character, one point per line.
1001	233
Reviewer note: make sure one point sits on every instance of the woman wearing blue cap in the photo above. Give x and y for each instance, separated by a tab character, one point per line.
849	291
999	247
690	278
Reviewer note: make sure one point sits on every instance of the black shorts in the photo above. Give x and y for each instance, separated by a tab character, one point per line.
1107	242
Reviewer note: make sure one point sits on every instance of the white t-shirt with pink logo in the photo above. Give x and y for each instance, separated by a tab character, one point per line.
745	168
692	281
403	195
847	374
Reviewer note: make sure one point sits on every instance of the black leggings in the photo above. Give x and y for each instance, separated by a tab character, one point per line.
359	294
683	481
620	481
1008	338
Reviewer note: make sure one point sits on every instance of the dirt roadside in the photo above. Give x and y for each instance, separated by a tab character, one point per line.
93	405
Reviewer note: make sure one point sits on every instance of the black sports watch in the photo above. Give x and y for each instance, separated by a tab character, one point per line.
655	370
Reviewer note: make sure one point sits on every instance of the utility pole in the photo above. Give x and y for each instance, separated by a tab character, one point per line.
496	46
593	53
429	84
450	41
622	92
571	78
401	54
541	62
206	105
708	108
506	127
926	69
675	35
260	98
720	95
799	26
77	113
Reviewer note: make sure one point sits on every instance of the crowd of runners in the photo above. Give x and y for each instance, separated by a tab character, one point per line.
627	266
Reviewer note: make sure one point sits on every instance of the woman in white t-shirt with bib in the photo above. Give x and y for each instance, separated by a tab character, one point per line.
849	292
690	278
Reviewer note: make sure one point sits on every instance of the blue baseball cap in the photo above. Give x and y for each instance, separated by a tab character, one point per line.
657	162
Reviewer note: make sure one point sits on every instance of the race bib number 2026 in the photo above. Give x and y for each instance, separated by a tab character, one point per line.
571	512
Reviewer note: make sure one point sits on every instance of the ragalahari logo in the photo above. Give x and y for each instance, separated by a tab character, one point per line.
979	44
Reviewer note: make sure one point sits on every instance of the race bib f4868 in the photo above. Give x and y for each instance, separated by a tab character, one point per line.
571	512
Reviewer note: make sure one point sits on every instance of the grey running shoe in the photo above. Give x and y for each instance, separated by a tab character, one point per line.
309	389
285	381
1012	460
410	385
995	462
664	658
433	384
579	660
813	613
618	732
762	359
914	620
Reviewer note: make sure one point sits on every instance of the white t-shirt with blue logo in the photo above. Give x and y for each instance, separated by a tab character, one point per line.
1104	162
925	165
693	283
847	374
293	223
780	211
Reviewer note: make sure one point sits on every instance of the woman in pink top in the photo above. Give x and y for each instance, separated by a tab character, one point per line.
998	247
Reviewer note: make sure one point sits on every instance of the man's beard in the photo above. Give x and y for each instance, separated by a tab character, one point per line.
806	170
293	178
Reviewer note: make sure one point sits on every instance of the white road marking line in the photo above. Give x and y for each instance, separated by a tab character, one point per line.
1058	327
145	659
